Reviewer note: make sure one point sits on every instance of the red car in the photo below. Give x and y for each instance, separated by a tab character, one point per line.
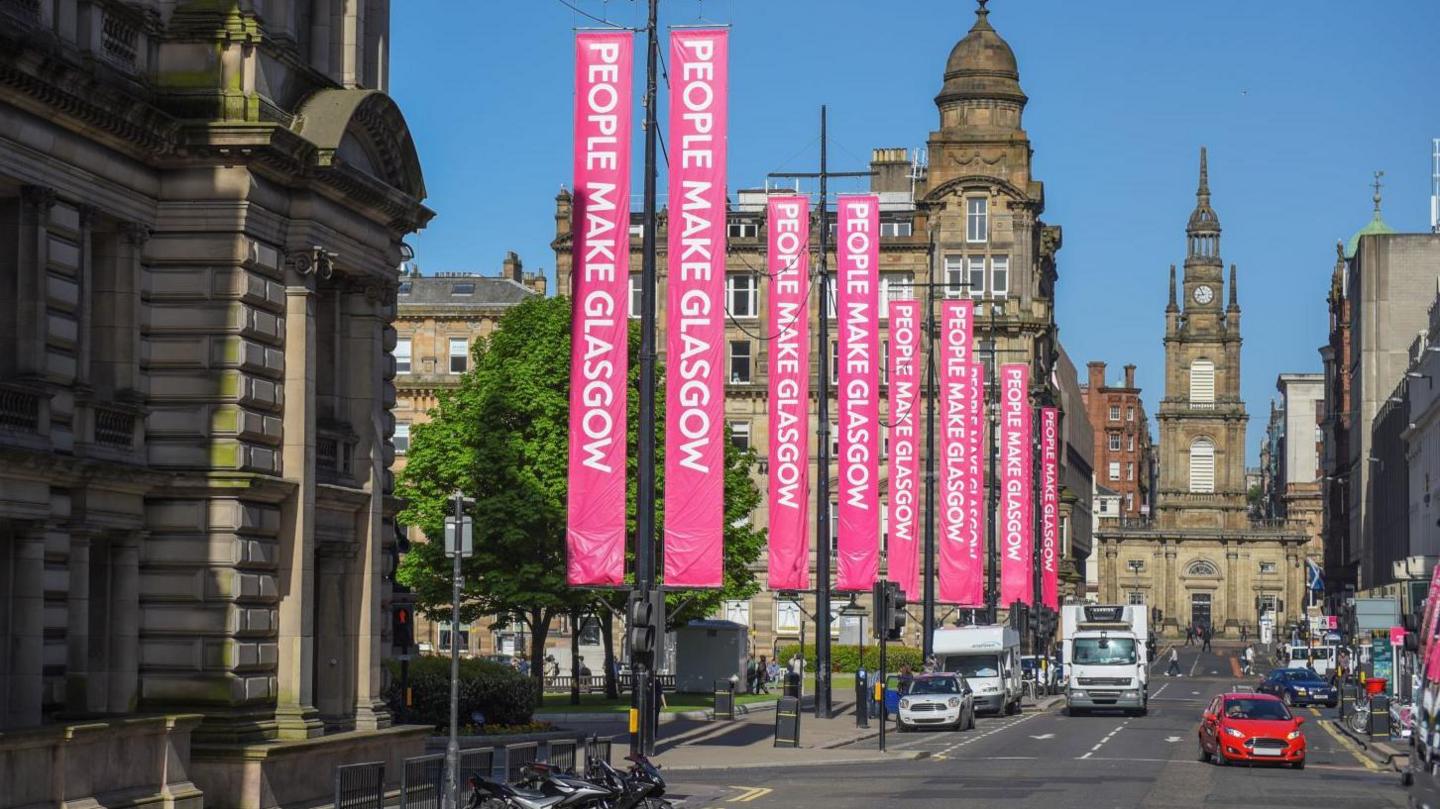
1251	727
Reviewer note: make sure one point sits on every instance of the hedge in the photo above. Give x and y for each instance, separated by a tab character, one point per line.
847	657
501	694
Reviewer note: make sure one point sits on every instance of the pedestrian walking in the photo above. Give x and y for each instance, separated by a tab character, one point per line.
1189	635
762	675
1244	633
1174	668
1205	635
1248	656
752	675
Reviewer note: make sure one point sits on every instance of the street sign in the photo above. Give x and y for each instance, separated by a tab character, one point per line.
467	537
1397	636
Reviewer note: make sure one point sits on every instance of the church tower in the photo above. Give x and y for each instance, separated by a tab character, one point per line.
1202	418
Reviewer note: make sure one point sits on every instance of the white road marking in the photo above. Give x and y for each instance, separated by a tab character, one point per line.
1044	736
1195	665
1158	690
1172	739
1107	738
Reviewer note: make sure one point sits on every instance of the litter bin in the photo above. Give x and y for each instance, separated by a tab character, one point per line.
792	684
724	699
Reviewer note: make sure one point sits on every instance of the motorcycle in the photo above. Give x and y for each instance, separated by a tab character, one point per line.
641	788
540	788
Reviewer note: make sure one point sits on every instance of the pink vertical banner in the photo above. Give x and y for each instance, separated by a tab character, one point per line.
695	314
789	374
1050	507
961	562
857	300
1429	643
903	557
600	327
1016	517
974	477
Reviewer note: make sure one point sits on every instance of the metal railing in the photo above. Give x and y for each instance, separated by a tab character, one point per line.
114	428
477	759
422	782
596	682
19	410
561	754
517	756
360	786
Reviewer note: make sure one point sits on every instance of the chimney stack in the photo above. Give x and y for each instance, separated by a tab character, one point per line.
1130	375
1097	375
512	268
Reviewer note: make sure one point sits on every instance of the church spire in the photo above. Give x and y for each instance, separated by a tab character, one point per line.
1203	230
1174	305
1234	292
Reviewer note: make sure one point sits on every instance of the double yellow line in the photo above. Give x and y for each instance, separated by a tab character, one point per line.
1349	744
748	794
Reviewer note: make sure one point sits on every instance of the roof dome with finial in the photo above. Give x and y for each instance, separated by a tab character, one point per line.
982	66
1376	225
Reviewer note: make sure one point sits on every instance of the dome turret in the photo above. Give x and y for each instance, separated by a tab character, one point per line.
981	67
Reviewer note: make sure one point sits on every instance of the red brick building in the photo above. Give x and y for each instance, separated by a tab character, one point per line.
1123	451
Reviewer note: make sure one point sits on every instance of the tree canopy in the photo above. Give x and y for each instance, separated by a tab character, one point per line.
501	437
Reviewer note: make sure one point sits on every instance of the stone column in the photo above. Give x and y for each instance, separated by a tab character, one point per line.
77	623
29	350
27	622
1232	583
1172	584
128	272
295	712
123	694
364	331
84	340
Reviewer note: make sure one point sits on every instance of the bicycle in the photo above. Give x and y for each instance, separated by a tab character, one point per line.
1359	718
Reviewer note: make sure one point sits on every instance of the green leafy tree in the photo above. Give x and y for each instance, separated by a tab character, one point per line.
501	437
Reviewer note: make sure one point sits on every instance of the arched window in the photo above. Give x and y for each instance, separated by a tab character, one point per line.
1201	567
1202	466
1202	381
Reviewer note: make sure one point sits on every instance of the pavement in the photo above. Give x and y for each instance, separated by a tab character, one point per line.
1039	759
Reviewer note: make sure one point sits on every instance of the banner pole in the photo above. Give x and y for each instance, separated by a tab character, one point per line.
643	741
822	491
927	617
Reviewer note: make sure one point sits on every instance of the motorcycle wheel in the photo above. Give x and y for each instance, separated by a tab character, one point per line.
656	803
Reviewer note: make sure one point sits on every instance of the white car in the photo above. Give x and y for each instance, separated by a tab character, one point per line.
937	700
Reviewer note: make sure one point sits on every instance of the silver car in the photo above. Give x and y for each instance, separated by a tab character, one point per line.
937	700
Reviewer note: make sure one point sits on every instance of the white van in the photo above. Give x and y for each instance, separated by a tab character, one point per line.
989	659
1324	657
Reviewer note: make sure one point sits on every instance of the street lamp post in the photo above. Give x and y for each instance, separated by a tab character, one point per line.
458	544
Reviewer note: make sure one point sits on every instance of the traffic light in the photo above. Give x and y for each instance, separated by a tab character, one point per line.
1411	622
644	625
402	628
880	596
895	612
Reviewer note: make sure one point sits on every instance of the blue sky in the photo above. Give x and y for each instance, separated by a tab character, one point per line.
1298	103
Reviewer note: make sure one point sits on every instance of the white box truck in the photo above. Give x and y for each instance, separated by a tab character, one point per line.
1106	658
989	659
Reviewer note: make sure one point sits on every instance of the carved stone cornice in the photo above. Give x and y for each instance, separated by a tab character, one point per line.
136	233
38	196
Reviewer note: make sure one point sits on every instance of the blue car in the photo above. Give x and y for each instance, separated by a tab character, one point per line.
1300	687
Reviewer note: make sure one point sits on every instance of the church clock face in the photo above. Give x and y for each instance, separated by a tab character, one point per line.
1204	294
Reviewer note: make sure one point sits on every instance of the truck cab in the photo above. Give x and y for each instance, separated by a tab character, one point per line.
989	659
1106	662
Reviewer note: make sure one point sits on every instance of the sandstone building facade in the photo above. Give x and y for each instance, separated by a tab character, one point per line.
202	208
1200	557
970	219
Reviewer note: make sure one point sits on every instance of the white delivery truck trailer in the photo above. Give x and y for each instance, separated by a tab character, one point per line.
1106	657
989	659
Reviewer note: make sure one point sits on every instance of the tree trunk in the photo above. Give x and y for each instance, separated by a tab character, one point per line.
607	637
575	616
539	620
